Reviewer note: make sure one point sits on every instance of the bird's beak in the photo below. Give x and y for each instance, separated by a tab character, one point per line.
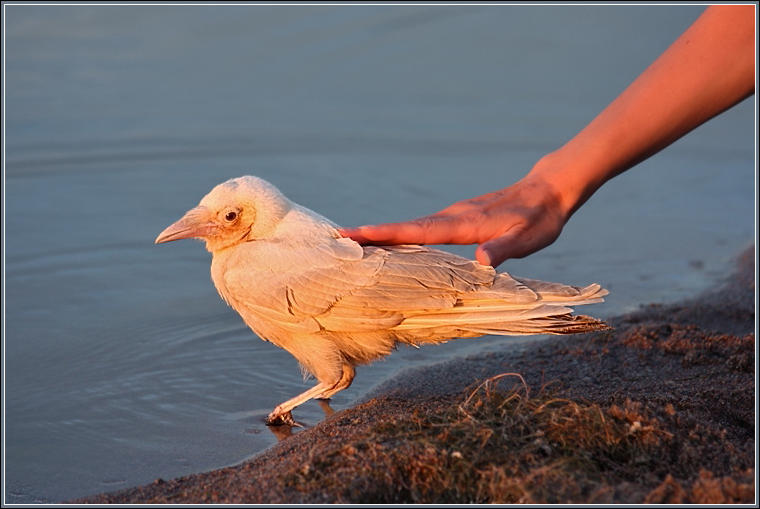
196	223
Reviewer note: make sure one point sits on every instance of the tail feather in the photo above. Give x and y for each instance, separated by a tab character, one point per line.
482	316
496	311
564	324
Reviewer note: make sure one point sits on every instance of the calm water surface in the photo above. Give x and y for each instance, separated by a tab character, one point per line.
123	365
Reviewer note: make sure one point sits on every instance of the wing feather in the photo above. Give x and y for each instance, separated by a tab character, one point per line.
342	292
408	290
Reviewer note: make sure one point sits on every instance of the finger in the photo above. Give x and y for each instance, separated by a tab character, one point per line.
353	233
455	208
473	204
387	233
518	242
424	230
496	251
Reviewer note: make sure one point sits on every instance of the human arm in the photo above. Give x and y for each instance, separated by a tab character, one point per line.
708	69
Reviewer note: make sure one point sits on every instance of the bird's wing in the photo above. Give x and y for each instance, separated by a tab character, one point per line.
293	281
342	287
417	280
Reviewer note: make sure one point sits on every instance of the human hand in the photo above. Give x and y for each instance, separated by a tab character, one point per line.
510	223
707	70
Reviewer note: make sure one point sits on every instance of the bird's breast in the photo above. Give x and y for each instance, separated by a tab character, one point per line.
257	290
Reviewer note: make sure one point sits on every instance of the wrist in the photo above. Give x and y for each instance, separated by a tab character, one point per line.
569	182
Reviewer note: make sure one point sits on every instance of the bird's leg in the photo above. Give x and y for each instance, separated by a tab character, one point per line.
345	380
281	414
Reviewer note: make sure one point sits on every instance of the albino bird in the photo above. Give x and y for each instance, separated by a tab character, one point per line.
334	304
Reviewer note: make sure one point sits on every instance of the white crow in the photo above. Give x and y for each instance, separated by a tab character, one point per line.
334	304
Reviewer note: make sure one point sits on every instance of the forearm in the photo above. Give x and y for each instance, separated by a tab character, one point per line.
704	72
707	70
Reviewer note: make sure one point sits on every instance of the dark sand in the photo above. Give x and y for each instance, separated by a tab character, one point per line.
659	410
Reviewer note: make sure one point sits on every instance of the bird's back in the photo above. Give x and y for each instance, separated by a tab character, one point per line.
422	295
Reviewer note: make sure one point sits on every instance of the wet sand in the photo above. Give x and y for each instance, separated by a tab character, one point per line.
658	410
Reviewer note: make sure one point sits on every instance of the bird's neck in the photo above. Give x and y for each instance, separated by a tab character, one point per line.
301	222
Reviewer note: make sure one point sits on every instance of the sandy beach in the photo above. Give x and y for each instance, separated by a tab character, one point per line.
660	410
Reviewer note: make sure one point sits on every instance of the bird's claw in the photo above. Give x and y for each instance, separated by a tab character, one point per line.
279	419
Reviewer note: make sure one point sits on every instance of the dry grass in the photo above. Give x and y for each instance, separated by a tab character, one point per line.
503	445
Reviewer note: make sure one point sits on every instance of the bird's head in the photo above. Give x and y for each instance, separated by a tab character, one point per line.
239	210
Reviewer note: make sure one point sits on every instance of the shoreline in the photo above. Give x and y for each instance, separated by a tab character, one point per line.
661	409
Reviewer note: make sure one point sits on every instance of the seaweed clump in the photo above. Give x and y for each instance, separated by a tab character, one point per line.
510	446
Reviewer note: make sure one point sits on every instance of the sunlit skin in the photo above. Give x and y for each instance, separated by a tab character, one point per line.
708	69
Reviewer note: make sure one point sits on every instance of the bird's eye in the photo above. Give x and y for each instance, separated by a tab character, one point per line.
230	216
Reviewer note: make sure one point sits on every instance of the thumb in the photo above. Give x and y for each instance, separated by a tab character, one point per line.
517	243
496	251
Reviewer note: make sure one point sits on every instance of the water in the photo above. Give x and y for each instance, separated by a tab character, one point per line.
123	365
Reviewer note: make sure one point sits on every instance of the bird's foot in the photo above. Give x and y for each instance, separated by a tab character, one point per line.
279	419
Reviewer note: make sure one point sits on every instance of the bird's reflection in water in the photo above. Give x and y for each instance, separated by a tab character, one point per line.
283	431
324	404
